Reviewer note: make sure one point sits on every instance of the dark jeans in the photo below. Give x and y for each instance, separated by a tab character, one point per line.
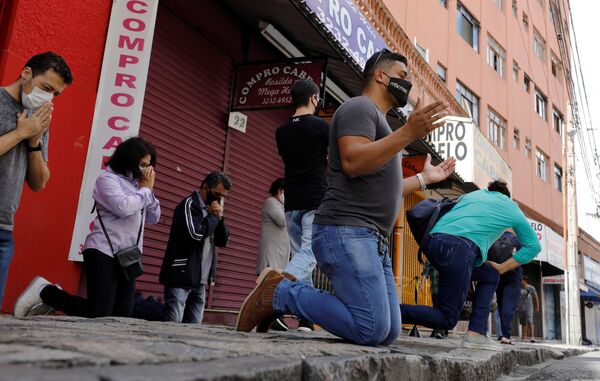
454	257
108	292
507	294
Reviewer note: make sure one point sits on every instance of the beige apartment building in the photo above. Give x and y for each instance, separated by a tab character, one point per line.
501	60
502	57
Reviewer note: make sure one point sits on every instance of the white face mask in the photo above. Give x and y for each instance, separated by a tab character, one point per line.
281	198
36	98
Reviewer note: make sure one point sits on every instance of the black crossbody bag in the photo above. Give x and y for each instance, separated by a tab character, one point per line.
129	258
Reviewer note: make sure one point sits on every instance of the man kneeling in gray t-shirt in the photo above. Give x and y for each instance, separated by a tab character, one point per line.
357	215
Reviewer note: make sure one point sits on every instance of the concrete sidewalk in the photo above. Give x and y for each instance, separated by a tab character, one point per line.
69	348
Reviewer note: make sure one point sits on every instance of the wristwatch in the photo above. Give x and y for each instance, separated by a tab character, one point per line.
421	181
34	149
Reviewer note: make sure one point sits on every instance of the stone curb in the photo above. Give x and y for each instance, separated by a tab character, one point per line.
67	348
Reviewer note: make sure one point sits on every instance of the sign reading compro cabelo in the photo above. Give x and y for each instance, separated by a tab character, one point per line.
268	85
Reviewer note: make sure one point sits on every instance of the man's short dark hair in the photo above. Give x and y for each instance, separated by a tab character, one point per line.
382	59
40	63
276	186
525	278
302	91
499	186
127	156
215	178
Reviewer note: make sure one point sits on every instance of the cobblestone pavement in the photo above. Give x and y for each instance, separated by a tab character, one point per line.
70	348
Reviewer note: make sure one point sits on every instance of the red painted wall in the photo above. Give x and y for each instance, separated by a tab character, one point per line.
75	29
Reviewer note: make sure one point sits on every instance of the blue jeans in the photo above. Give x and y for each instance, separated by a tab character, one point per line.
454	257
7	248
365	308
184	306
300	229
508	293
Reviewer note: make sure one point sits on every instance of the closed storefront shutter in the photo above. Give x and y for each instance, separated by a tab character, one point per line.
184	116
253	163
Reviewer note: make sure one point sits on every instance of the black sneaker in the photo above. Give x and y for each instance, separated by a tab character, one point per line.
438	334
278	325
305	326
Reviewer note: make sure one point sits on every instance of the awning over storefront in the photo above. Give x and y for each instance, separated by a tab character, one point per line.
301	28
593	293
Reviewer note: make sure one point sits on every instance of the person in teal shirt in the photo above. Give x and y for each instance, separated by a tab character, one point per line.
457	247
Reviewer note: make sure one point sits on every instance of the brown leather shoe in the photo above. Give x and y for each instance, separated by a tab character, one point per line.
285	275
258	306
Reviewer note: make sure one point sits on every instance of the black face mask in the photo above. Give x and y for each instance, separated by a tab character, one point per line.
399	88
211	197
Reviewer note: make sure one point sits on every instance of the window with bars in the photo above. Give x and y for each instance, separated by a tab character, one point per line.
441	72
467	26
516	139
528	148
526	82
464	95
525	21
558	177
496	55
496	128
514	7
540	104
422	51
557	121
539	45
516	69
541	163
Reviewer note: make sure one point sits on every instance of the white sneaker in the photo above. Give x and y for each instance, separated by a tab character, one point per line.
29	302
481	342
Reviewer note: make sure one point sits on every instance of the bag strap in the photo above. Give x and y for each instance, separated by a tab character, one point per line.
432	221
137	242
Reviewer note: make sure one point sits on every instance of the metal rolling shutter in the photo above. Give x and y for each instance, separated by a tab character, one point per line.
253	163
184	116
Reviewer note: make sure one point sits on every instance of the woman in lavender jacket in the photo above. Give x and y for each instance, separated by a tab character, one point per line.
124	196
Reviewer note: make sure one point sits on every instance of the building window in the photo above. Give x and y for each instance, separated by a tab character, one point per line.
464	95
541	160
526	82
540	104
528	148
558	176
441	72
468	27
516	139
525	21
516	68
422	51
495	56
444	3
555	65
539	45
498	3
496	128
514	7
557	121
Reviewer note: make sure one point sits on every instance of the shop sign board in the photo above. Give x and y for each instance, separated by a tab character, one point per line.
348	26
119	100
268	85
